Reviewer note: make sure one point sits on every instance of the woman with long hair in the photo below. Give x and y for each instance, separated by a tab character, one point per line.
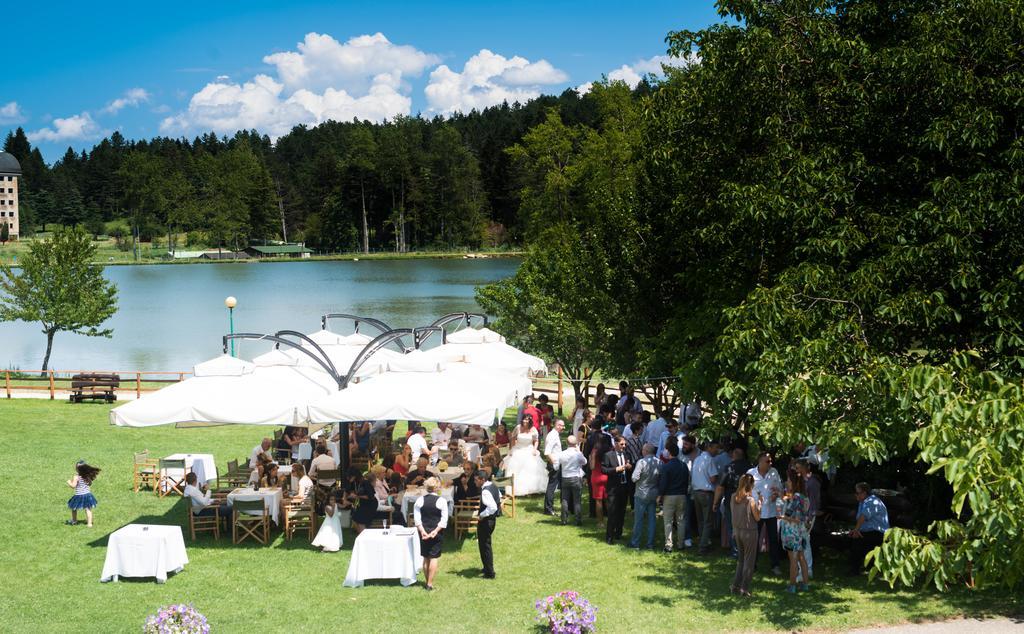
746	513
794	513
598	479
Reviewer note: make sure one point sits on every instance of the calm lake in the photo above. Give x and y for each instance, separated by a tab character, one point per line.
171	317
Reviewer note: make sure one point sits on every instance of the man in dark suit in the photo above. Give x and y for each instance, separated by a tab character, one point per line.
617	467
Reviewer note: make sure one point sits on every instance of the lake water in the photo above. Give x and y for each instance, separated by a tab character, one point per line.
171	317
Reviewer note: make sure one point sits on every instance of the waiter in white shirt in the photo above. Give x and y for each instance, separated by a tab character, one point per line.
419	445
552	448
490	508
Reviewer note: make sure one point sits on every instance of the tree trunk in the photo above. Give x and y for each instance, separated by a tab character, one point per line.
366	228
280	209
49	346
401	218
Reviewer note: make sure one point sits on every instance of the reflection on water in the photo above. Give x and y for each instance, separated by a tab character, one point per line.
171	317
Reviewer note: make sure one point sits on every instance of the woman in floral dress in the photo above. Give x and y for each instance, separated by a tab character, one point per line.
794	531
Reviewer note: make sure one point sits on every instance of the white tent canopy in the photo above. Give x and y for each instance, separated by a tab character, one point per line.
480	348
451	393
226	390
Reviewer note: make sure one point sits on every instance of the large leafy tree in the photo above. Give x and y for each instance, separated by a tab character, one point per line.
832	203
59	286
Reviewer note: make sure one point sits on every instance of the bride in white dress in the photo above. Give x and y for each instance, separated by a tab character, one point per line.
524	461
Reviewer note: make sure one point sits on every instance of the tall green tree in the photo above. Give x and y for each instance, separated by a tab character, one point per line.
60	287
361	157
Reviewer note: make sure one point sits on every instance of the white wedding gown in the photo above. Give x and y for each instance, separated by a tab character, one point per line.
530	472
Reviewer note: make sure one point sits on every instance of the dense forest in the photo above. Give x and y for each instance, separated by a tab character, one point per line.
407	184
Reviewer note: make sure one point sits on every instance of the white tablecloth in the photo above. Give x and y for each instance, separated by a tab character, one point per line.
272	499
144	550
384	554
473	452
410	497
201	464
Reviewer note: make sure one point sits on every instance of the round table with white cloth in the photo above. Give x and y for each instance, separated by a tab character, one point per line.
144	550
384	554
201	464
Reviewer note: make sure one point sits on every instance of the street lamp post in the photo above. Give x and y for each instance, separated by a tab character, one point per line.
231	302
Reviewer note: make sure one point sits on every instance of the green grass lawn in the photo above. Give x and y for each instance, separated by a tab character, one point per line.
50	579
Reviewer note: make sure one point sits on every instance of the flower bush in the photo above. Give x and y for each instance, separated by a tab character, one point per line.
176	619
566	613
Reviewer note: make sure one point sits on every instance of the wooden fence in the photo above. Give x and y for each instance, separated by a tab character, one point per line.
54	381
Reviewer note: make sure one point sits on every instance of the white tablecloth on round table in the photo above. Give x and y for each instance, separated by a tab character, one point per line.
409	499
272	499
384	554
201	464
144	550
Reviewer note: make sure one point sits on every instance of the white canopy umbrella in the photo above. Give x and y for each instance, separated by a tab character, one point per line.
485	348
225	391
418	388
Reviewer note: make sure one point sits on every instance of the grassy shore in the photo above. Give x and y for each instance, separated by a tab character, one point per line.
51	578
108	253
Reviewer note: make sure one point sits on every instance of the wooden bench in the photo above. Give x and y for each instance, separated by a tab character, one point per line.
94	386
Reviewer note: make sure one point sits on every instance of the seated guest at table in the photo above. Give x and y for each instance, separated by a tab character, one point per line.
262	449
396	493
420	474
388	462
305	485
202	500
455	450
360	437
442	435
476	433
289	438
353	478
403	461
430	515
329	537
465	484
270	477
501	435
322	461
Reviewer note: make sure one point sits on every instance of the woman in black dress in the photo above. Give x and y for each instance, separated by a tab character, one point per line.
431	516
363	515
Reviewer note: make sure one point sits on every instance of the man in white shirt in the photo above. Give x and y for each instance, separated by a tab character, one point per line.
419	444
254	457
703	479
552	448
202	501
442	435
767	488
570	464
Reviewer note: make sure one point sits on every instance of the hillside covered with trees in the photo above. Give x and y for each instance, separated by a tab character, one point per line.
402	185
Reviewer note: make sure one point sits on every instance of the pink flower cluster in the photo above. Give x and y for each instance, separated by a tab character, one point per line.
566	613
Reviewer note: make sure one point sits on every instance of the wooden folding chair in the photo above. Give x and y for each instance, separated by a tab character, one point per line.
145	471
203	522
466	516
235	476
297	515
253	518
507	487
172	483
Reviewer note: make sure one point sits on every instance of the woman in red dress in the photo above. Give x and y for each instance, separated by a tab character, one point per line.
598	479
402	461
501	436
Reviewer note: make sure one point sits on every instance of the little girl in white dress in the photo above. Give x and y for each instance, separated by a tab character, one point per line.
329	536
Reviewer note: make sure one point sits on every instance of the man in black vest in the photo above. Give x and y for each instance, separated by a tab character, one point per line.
490	508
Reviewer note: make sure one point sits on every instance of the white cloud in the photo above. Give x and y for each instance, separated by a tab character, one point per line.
488	79
11	113
132	97
632	74
324	79
323	62
74	128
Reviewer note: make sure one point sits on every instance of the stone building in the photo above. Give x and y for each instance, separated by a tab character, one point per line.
10	172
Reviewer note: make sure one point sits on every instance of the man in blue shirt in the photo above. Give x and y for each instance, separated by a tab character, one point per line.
872	522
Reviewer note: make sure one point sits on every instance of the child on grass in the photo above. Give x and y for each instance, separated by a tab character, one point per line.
83	497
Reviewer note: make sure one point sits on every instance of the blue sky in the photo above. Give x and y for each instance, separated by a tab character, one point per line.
75	72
